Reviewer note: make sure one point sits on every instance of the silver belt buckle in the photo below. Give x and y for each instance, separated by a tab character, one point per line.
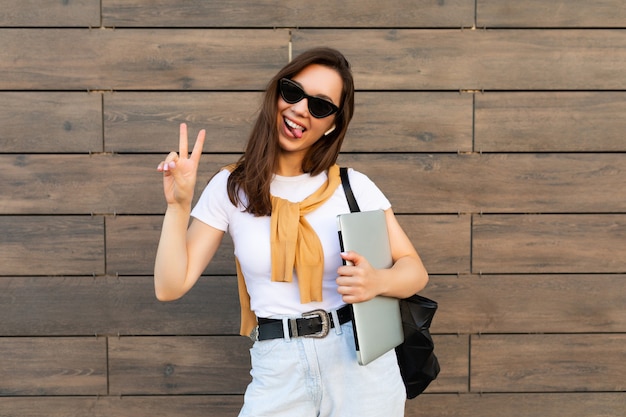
254	334
323	315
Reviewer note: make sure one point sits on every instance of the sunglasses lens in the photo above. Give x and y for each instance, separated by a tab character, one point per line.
291	93
318	107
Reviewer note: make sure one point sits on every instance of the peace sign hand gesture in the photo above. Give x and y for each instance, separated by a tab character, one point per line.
180	170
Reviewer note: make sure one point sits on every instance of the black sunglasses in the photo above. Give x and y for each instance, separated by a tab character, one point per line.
292	93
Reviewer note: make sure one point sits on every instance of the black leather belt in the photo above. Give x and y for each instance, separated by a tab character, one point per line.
315	323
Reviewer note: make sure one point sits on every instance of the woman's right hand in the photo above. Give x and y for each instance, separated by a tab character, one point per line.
180	170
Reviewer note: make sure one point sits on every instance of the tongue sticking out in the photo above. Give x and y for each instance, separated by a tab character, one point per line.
297	133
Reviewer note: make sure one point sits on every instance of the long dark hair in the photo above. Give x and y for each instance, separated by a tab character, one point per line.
254	171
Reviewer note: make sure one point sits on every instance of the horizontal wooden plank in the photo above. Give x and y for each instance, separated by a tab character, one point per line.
140	59
451	352
410	122
179	365
415	183
383	121
277	13
102	181
435	405
549	243
51	245
477	59
127	406
50	122
548	363
518	405
550	122
550	14
140	122
53	366
54	306
132	243
443	242
503	183
562	303
31	13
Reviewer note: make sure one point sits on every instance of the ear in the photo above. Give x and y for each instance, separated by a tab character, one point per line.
329	131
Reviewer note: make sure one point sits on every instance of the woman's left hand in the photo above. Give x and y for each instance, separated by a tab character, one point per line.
358	282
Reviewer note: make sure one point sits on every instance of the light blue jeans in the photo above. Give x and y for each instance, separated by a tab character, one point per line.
307	377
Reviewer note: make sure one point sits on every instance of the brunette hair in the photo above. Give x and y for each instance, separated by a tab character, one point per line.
253	172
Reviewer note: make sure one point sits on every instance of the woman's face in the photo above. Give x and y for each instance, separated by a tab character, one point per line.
297	128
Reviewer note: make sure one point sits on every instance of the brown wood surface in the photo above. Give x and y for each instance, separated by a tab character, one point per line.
298	13
142	59
497	183
548	363
48	306
123	406
53	366
32	13
478	59
50	122
51	245
518	405
179	365
550	122
148	122
531	303
550	14
549	243
415	183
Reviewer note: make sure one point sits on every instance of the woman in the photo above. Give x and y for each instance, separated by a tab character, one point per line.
279	202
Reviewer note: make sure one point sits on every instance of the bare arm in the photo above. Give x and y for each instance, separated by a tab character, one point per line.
406	277
183	251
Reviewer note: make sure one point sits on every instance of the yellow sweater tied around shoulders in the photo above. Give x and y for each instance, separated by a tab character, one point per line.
294	245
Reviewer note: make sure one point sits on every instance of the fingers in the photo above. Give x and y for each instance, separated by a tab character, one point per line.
169	163
183	144
197	147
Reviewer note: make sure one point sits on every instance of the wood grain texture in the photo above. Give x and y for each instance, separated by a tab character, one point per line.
410	122
141	59
477	59
132	243
97	183
105	305
298	13
443	242
530	303
518	405
497	183
126	406
32	13
550	122
179	365
50	122
548	363
549	243
148	122
550	14
51	245
53	366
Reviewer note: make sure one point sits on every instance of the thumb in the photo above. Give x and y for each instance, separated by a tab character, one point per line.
351	257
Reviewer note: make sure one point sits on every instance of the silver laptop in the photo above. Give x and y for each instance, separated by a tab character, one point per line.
377	322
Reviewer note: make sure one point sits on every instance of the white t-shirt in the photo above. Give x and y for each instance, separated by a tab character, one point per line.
251	237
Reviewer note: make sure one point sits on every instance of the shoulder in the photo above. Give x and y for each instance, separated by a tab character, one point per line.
367	193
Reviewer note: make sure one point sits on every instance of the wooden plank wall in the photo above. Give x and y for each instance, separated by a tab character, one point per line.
496	127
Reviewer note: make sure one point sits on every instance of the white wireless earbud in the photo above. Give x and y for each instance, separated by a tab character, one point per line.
329	131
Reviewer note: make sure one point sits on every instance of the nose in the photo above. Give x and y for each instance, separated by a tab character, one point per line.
301	107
